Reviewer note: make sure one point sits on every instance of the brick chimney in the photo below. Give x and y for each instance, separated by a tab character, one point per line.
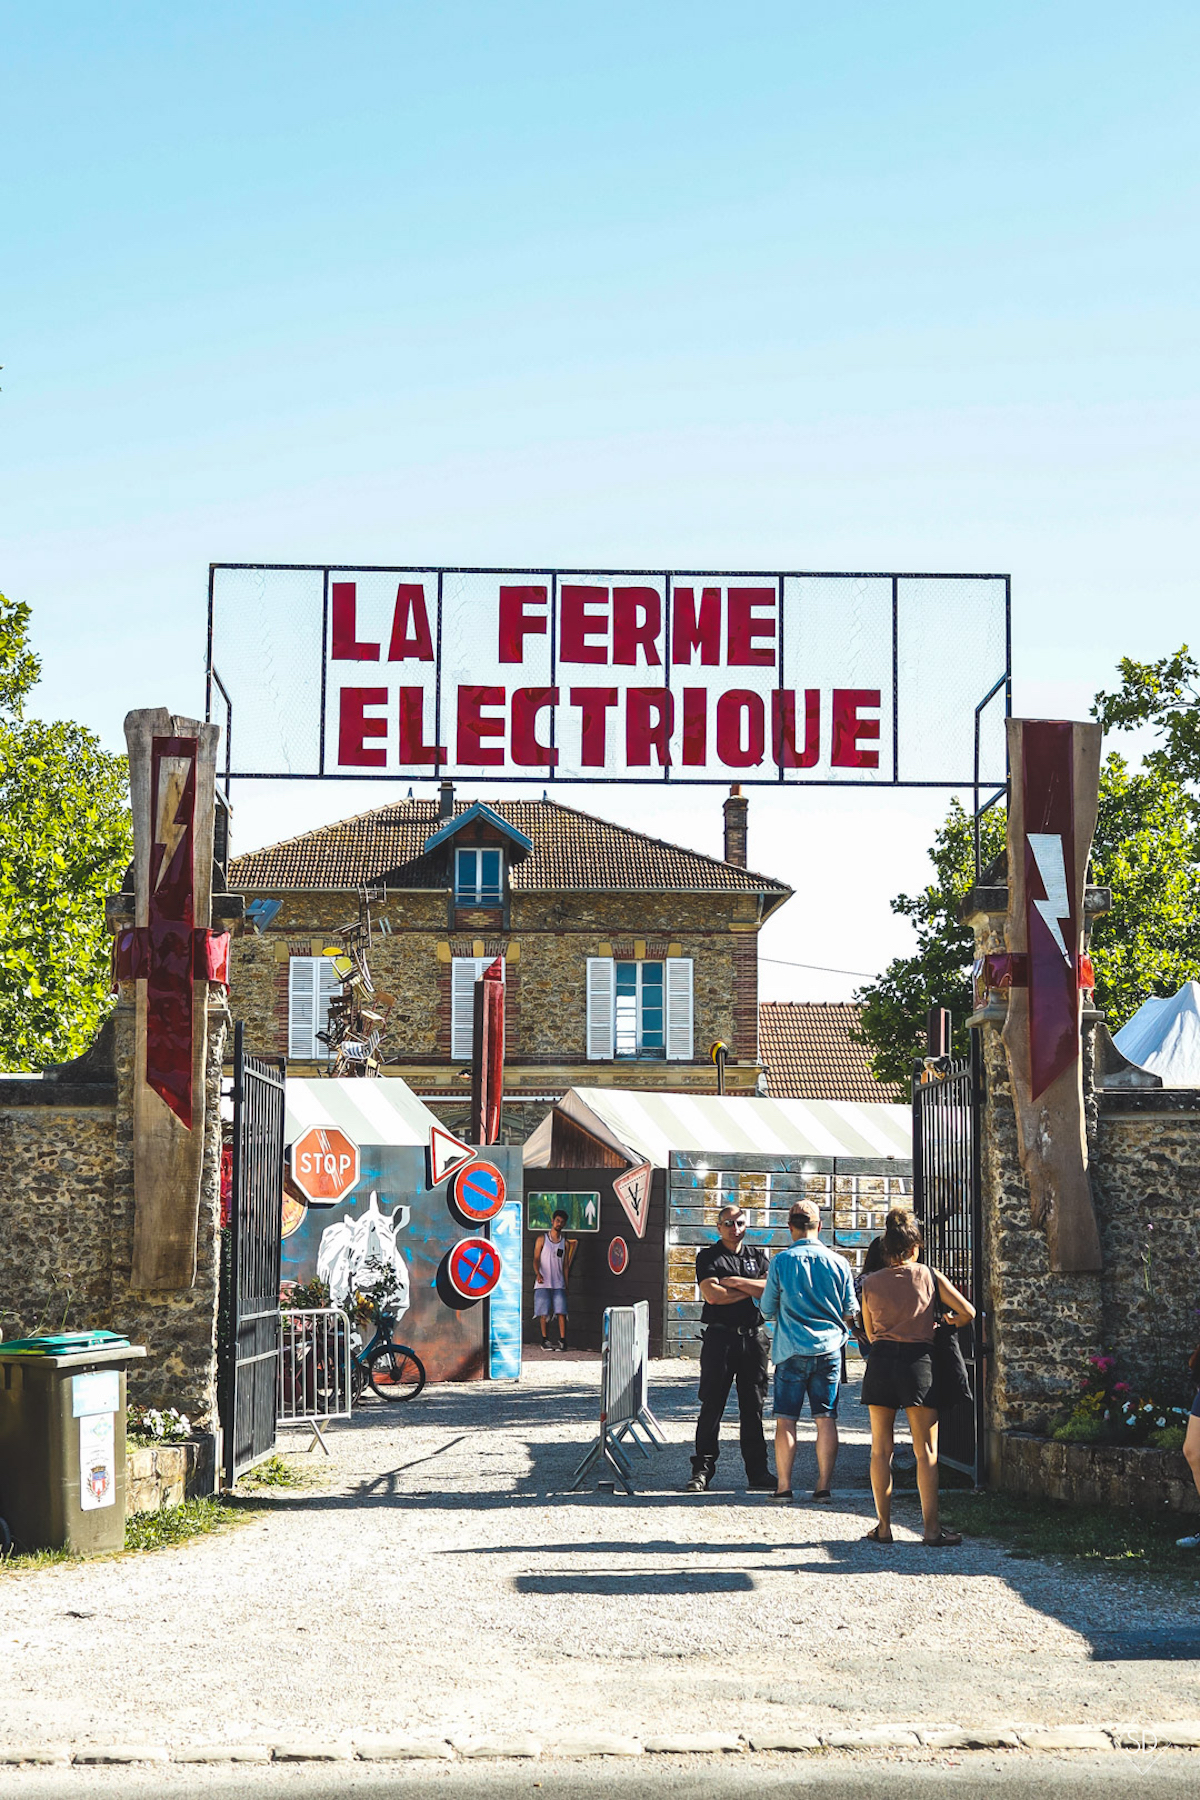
736	808
446	800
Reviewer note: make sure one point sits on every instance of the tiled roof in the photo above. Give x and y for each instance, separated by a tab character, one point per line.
809	1054
571	850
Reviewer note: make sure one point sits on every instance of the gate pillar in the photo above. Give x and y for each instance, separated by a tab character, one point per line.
1043	1322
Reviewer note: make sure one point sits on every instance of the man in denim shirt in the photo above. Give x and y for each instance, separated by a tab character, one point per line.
810	1297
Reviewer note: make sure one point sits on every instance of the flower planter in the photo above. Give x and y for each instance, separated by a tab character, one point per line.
1092	1474
168	1474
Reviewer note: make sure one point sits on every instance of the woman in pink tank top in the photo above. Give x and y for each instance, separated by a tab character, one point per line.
899	1308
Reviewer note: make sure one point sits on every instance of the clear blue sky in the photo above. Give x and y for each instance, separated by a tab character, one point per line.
786	285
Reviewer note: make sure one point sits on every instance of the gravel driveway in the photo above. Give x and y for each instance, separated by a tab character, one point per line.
444	1580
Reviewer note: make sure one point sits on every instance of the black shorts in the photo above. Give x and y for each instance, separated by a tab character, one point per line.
898	1375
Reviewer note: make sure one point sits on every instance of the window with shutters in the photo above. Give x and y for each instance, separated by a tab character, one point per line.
478	877
464	973
312	983
639	1011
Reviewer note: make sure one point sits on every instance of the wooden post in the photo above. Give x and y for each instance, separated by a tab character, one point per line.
172	776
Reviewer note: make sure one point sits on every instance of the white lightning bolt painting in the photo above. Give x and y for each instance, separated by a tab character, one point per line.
1047	847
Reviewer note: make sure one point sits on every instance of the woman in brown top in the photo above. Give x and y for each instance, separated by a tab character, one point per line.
899	1317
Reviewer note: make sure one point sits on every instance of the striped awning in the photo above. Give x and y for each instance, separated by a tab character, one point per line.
369	1112
648	1127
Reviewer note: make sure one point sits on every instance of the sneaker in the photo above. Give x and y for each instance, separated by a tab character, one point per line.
697	1485
1188	1543
822	1495
783	1495
761	1484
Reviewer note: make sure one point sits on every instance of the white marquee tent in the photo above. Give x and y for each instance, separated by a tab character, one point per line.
1163	1036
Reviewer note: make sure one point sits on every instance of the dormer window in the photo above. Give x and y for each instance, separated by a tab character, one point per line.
479	877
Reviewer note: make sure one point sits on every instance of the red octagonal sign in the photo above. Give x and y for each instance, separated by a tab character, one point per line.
325	1164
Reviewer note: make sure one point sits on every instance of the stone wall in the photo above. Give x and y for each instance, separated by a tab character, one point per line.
1042	1325
1144	1148
1146	1177
1094	1474
66	1221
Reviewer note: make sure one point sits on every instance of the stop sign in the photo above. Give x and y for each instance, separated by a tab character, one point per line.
325	1165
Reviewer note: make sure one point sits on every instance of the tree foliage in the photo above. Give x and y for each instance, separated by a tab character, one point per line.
65	839
895	1007
1166	696
1146	849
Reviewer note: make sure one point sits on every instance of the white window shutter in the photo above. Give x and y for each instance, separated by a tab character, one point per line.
462	1006
678	1007
601	1008
328	984
464	973
301	1007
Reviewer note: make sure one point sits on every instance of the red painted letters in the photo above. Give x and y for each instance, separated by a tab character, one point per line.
354	727
849	730
346	647
517	622
411	636
474	725
527	752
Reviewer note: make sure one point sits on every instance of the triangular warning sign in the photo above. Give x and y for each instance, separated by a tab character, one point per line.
633	1191
445	1153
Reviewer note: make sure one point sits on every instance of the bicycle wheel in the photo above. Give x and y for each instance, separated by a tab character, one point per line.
397	1373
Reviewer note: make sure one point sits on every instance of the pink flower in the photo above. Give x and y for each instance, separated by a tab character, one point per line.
1120	1387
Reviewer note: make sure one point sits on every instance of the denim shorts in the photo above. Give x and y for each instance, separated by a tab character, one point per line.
815	1378
547	1300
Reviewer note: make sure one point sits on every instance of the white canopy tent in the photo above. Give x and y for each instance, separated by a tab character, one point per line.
647	1127
369	1112
1163	1036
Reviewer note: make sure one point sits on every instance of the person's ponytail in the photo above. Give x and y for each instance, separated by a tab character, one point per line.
901	1235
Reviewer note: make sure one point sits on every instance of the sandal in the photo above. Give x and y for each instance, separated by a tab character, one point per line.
875	1535
945	1540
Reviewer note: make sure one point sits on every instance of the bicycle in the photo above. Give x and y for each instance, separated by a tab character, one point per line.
395	1371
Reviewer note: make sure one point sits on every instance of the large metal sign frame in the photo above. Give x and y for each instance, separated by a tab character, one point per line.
776	768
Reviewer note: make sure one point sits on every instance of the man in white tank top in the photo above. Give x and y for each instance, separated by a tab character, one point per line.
553	1255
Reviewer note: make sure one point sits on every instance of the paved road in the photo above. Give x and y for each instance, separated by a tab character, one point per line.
445	1582
733	1778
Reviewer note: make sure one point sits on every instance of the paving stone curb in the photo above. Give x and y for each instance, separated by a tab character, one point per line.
1180	1734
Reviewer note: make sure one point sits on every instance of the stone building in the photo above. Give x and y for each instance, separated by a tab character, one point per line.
626	957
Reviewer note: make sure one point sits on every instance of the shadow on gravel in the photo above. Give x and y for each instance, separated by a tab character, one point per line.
639	1581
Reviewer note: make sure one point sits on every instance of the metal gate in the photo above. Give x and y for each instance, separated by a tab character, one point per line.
251	1299
946	1198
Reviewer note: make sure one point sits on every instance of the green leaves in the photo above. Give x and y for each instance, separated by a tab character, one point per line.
895	1007
1166	696
65	840
1146	849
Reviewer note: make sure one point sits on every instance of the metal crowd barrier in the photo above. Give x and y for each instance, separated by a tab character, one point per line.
314	1370
624	1394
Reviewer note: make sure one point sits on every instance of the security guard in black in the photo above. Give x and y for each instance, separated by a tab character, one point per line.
735	1350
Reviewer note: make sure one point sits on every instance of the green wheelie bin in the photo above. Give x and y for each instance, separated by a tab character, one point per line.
62	1441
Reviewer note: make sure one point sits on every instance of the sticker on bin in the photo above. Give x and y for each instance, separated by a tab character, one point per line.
98	1391
97	1462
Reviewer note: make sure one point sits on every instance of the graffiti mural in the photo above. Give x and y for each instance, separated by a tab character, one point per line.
392	1218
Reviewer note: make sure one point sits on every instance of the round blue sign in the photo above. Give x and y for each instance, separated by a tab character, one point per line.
477	1191
474	1268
